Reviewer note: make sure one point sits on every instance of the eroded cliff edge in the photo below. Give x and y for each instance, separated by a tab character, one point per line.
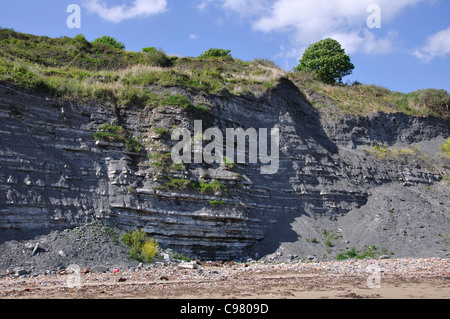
55	175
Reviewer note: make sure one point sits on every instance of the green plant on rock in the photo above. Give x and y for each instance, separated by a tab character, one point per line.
177	167
164	133
110	133
212	188
329	236
201	108
161	160
217	203
112	232
177	184
178	100
117	134
133	145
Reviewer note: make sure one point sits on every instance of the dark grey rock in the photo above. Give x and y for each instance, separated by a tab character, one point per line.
99	269
20	271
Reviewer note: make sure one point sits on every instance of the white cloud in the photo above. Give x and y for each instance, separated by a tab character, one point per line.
203	4
437	45
365	41
118	13
193	36
243	7
308	21
312	20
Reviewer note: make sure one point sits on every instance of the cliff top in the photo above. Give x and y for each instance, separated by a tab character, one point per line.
78	70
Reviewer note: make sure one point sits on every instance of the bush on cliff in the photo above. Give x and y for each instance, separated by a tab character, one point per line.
110	41
140	247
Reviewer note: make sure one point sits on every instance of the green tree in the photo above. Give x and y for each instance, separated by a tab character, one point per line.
328	60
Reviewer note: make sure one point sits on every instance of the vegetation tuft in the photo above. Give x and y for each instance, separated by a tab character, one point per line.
367	252
212	188
114	133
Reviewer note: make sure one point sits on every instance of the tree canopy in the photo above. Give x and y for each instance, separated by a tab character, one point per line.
328	60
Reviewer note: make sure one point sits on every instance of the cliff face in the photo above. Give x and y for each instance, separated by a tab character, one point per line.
54	174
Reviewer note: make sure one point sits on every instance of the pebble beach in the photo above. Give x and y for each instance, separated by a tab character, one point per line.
332	279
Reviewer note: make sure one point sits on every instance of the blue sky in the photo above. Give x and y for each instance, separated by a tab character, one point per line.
409	50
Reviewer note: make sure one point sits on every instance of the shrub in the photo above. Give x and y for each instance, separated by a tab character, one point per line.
140	247
81	41
110	41
149	50
216	53
149	250
436	100
157	57
379	151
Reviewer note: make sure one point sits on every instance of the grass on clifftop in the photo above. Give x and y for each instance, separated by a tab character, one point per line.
78	70
75	69
361	99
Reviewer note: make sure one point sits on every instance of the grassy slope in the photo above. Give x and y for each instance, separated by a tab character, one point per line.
74	69
361	99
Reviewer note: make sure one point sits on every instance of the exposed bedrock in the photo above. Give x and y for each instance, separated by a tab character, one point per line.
55	175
